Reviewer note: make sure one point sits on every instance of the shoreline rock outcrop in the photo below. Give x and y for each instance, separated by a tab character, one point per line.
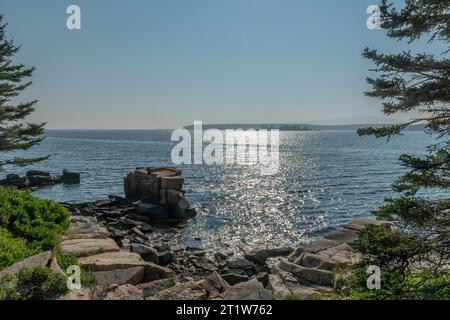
158	194
36	179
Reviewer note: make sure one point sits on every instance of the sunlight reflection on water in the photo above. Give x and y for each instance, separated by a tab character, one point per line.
325	179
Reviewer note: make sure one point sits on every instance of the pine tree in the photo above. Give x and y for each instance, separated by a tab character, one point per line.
414	257
14	133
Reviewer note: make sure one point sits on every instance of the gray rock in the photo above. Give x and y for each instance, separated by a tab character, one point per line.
147	253
233	278
41	259
240	264
165	257
249	290
70	177
263	277
153	211
342	235
152	288
40	181
82	247
122	260
42	173
85	227
277	286
133	275
317	261
258	257
175	183
313	247
322	277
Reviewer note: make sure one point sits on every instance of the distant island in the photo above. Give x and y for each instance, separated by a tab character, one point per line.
299	127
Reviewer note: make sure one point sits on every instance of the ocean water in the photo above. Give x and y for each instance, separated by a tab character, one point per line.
325	179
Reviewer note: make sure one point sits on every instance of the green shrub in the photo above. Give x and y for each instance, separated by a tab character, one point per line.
37	221
36	283
12	249
395	253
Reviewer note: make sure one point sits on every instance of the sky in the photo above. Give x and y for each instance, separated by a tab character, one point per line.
146	64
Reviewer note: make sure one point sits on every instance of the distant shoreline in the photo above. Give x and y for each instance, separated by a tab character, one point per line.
246	126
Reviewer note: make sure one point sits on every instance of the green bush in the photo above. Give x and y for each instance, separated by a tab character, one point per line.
12	249
395	253
37	221
36	283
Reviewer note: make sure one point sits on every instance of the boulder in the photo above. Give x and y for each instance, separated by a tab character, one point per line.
318	261
41	259
233	278
240	264
40	181
213	285
154	212
258	257
165	257
83	247
122	260
174	182
249	290
182	291
70	177
41	173
133	275
322	277
85	227
152	288
277	286
313	247
147	253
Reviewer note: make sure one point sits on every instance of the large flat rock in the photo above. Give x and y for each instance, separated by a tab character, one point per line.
123	260
41	259
133	275
85	227
83	247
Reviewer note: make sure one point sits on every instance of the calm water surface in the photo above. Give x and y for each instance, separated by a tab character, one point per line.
326	179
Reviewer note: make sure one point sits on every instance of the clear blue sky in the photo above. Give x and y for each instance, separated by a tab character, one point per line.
166	63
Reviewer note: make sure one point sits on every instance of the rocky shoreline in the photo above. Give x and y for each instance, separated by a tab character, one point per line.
114	242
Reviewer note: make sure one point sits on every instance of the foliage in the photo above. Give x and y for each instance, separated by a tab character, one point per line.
14	134
12	249
36	283
418	259
28	224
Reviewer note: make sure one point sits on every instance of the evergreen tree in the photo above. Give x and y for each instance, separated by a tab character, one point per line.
414	258
14	133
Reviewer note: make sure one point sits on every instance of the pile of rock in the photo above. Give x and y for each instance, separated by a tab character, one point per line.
35	179
158	194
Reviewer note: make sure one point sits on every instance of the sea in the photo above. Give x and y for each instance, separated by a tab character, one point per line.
325	179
